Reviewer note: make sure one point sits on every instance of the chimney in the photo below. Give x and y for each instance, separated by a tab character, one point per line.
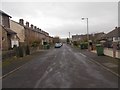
32	26
27	24
39	29
21	21
35	27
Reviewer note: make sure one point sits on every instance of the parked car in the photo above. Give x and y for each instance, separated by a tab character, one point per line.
61	44
58	45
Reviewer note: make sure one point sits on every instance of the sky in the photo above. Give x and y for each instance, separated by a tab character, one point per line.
60	18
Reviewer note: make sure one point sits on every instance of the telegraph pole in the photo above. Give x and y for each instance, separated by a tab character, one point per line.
69	35
69	38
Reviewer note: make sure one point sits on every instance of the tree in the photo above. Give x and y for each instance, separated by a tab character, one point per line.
68	40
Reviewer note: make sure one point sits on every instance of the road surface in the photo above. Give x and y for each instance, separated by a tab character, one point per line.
61	68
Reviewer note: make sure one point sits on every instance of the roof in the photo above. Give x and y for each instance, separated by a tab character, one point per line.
1	12
113	33
44	33
9	31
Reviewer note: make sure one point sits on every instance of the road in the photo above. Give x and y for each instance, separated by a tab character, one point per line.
61	68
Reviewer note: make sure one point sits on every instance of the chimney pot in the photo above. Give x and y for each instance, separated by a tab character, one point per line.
27	24
35	27
32	26
21	21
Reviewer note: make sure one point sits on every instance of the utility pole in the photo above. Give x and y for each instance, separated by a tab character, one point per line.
69	38
87	33
69	35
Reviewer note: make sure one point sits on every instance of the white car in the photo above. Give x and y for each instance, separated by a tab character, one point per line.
61	44
58	45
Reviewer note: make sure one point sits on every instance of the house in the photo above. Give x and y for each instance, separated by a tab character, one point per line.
112	47
93	37
56	39
81	38
4	43
0	37
29	34
76	37
16	27
9	37
97	37
47	37
113	35
50	40
5	19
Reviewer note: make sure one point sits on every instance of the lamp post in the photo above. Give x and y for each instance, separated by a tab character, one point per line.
87	31
69	38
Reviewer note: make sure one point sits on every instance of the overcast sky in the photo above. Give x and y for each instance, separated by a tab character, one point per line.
60	18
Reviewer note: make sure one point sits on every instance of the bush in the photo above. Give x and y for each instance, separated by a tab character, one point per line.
35	44
75	43
84	45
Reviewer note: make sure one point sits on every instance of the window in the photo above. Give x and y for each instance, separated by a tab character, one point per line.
3	39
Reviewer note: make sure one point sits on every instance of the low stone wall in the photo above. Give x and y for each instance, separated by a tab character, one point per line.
118	54
8	54
33	49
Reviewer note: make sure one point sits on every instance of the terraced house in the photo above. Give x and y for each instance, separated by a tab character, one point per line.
27	37
9	37
29	34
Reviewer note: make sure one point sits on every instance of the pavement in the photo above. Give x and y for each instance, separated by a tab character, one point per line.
63	67
13	63
109	63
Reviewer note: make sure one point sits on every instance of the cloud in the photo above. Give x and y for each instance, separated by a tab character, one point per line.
63	17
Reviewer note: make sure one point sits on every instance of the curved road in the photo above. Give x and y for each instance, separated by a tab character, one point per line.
61	68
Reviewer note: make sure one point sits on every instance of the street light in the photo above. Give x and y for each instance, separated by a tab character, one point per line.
87	31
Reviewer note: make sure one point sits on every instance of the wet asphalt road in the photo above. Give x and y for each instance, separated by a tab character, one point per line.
61	68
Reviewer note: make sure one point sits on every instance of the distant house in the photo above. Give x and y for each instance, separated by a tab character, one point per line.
96	37
47	37
113	35
56	39
50	40
9	37
81	38
76	37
